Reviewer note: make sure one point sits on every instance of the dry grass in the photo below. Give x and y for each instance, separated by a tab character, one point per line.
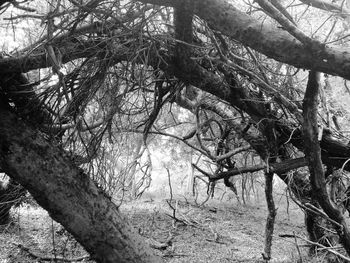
34	229
216	232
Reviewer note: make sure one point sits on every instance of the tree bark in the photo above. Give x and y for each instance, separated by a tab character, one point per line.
68	194
272	212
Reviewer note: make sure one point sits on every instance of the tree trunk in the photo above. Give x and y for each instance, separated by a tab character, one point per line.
68	194
313	154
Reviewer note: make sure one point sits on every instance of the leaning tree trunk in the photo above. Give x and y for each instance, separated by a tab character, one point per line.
68	194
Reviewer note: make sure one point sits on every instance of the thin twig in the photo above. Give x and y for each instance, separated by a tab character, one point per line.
317	244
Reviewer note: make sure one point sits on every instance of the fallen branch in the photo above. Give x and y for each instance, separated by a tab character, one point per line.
172	255
319	212
160	245
216	237
46	258
317	244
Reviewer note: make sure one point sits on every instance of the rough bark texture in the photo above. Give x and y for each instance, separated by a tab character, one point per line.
68	194
270	221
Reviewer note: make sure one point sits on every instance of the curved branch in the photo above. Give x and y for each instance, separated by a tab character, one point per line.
231	153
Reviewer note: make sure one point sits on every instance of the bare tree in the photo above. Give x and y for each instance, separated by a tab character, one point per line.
113	69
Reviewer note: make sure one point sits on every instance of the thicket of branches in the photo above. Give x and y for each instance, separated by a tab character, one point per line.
102	79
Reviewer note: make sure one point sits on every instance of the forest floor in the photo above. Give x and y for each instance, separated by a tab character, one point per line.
215	232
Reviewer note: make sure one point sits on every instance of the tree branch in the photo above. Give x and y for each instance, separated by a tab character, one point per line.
277	168
272	211
327	6
319	245
231	153
272	42
70	49
288	25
